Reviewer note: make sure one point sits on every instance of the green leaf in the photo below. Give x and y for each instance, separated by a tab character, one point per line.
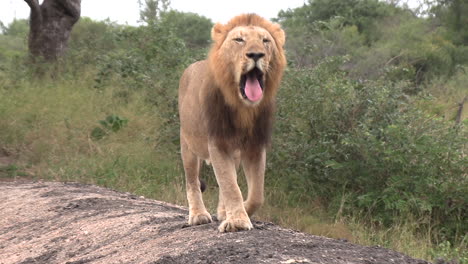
98	133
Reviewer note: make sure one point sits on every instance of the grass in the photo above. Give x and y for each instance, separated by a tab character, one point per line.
45	126
446	95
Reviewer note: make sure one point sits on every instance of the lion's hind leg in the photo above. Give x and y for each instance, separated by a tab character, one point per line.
197	212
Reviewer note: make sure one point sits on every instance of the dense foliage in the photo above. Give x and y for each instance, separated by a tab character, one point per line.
365	121
379	38
359	142
363	147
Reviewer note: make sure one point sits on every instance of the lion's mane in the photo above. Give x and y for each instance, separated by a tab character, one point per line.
230	122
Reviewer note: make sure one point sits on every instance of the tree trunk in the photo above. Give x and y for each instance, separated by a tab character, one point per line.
458	118
50	25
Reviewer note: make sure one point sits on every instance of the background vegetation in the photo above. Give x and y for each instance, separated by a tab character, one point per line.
370	137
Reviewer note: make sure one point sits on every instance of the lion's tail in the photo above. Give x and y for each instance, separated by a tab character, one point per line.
202	185
202	182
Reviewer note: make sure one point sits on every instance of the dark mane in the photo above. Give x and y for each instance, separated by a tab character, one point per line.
222	126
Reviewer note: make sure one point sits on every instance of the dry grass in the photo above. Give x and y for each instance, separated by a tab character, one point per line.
447	95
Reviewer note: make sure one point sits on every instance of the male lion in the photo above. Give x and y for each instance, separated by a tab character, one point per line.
226	106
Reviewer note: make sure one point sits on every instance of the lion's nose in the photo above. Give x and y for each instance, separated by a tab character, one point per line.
255	55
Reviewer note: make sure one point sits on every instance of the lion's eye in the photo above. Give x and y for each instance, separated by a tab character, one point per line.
265	40
240	40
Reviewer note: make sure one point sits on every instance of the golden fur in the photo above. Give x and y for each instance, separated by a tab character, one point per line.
220	123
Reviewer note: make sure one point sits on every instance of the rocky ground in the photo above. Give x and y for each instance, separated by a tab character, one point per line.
48	222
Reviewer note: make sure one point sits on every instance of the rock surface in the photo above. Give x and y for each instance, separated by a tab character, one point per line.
49	222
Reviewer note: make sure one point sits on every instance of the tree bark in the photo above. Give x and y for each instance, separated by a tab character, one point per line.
50	25
460	110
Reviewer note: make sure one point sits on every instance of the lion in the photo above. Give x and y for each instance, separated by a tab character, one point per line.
226	107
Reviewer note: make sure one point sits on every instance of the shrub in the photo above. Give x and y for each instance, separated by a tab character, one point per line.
367	141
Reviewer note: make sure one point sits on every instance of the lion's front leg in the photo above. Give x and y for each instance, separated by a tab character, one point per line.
221	213
197	212
253	163
236	217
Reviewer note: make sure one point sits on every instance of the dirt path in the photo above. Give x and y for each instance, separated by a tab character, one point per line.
43	222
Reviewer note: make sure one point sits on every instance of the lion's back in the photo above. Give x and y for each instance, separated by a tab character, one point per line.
192	79
191	107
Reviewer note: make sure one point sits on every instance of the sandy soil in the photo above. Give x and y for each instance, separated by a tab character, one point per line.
46	222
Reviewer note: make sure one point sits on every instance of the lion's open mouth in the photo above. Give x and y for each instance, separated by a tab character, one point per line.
251	85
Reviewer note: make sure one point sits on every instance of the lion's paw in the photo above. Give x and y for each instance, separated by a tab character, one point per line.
200	219
234	225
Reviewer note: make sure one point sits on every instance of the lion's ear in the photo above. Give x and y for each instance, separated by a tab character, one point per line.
217	32
279	35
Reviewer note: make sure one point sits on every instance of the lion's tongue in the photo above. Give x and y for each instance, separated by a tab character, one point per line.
253	91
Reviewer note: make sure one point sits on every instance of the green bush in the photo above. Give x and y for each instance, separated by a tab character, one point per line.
194	29
367	141
380	39
112	123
